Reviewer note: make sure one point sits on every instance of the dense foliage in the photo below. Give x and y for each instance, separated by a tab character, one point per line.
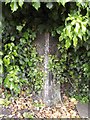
67	21
20	59
73	67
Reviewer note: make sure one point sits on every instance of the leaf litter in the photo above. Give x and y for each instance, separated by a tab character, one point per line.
27	107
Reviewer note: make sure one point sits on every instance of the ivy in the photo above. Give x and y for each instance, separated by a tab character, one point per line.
15	4
21	62
75	30
28	62
36	5
73	65
70	23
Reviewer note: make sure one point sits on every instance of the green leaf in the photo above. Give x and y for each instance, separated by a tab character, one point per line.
68	31
19	28
77	28
1	61
6	60
49	5
67	43
80	35
21	2
75	41
13	6
36	5
26	35
1	53
2	101
39	105
73	22
83	28
6	82
12	85
62	2
14	53
59	29
6	102
12	38
7	1
88	53
27	115
16	88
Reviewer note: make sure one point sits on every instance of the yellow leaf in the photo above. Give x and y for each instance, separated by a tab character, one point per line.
73	100
2	101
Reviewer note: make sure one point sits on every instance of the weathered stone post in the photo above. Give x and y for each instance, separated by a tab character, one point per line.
46	98
51	89
47	45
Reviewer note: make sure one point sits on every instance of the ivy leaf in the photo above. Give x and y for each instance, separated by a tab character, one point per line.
6	60
49	5
21	2
7	82
88	53
19	28
77	27
27	115
7	1
75	41
12	38
36	5
26	35
59	29
68	43
2	101
80	35
63	1
1	53
83	29
12	85
68	31
73	22
80	1
16	88
1	61
14	6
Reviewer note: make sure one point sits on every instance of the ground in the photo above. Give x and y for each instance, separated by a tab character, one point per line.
27	106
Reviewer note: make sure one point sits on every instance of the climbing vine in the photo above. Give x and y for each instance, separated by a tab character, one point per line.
69	22
20	61
74	47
